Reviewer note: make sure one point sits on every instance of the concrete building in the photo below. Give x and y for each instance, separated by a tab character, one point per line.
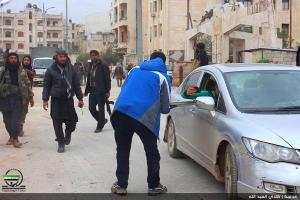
27	29
242	31
77	38
165	23
100	41
124	28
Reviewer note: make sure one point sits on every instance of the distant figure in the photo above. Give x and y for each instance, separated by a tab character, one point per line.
298	57
27	66
98	87
201	57
119	75
229	61
81	73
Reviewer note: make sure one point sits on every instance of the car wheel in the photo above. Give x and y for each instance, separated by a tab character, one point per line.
231	174
171	141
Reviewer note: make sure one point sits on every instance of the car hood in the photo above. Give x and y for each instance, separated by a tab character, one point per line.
286	127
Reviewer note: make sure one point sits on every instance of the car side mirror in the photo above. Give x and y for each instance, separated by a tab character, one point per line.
205	103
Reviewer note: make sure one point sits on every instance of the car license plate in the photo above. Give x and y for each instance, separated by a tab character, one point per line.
38	79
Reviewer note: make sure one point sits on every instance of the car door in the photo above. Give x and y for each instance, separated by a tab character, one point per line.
205	127
182	114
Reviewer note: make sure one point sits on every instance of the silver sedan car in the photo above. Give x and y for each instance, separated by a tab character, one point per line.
242	123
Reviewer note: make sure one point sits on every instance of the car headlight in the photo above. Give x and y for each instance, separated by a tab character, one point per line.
271	153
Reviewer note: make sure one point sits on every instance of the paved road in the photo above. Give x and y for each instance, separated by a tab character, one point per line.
88	165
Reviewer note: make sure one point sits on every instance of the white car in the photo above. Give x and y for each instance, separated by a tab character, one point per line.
40	65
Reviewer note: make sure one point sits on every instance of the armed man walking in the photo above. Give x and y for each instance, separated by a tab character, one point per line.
144	96
27	65
98	86
15	93
61	83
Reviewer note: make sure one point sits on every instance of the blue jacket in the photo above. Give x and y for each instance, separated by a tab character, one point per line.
146	94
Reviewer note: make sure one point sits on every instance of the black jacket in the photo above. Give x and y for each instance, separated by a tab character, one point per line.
55	85
102	79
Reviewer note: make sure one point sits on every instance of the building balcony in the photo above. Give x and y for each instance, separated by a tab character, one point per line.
55	39
9	39
55	28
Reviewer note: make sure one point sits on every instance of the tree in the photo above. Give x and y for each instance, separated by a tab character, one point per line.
109	57
83	58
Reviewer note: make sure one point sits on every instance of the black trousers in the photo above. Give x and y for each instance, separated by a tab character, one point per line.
99	115
125	127
63	112
58	128
13	121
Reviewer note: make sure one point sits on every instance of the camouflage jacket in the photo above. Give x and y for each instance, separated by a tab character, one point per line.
24	88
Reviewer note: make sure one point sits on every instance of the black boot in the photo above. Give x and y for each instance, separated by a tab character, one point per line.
68	138
61	148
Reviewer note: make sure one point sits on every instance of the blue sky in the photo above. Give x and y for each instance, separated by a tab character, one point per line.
78	9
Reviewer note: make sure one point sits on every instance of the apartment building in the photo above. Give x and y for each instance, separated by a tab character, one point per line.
77	38
241	31
29	28
166	22
100	41
124	21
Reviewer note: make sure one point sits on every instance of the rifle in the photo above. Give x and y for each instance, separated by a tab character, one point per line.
108	103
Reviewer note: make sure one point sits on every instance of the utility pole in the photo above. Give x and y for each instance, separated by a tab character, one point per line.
44	26
139	31
67	27
291	25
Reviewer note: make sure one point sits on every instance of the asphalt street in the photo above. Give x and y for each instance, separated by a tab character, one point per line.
88	165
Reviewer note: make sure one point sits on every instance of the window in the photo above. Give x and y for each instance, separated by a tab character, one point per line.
209	83
55	35
155	6
274	3
30	38
20	34
55	45
30	27
55	23
8	45
221	105
73	35
40	34
20	22
8	34
160	4
40	45
40	23
8	22
285	28
285	4
150	33
155	31
160	30
192	80
48	23
20	46
30	15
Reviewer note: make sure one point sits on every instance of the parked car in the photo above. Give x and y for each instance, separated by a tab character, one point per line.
40	65
249	137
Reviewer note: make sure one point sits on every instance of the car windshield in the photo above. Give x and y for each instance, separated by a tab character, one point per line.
42	63
262	91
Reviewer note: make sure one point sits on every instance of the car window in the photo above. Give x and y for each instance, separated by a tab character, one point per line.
206	83
221	105
192	80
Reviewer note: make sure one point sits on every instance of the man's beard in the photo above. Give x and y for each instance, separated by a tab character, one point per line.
13	66
62	64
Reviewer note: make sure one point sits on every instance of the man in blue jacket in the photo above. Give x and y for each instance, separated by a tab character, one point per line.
144	96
